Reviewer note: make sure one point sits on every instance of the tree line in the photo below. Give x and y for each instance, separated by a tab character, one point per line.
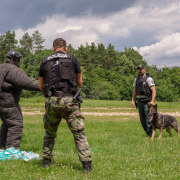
107	73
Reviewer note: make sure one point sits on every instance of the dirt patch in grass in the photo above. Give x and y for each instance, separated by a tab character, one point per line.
30	108
32	113
106	114
110	114
105	108
125	114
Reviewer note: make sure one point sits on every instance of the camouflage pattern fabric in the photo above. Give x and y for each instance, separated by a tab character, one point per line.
56	109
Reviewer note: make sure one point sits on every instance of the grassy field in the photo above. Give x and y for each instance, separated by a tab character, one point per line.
120	148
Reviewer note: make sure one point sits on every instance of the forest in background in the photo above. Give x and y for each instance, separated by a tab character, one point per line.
107	73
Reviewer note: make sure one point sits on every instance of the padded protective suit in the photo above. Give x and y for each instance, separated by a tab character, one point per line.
12	81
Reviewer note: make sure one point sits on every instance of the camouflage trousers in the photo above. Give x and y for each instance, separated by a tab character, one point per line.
56	109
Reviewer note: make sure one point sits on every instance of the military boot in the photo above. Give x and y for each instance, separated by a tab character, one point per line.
87	167
46	162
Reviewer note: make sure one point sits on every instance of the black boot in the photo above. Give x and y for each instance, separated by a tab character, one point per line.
87	167
46	162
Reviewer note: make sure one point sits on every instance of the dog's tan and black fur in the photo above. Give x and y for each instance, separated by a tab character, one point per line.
160	121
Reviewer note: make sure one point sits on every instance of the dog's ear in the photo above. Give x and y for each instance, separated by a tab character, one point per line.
155	107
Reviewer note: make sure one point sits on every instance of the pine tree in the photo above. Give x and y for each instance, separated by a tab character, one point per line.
7	43
37	41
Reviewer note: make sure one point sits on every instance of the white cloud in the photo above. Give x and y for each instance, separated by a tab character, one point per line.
78	30
134	10
171	8
162	52
153	30
68	28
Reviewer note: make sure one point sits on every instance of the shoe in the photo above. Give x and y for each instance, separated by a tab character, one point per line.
46	163
87	167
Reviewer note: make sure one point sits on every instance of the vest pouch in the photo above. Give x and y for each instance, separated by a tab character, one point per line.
45	89
66	70
143	88
61	85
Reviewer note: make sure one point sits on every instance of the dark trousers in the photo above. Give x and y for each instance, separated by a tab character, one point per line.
11	127
144	117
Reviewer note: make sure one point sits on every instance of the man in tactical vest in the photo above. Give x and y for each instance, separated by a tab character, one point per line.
59	77
145	93
12	81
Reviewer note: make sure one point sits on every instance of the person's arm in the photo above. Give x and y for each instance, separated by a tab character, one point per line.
20	79
79	79
41	83
153	89
133	97
77	71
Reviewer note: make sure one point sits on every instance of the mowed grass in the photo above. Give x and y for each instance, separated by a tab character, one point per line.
120	148
39	102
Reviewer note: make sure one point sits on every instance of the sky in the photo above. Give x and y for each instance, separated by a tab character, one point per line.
151	27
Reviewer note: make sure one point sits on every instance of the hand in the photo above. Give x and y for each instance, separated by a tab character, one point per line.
151	103
132	104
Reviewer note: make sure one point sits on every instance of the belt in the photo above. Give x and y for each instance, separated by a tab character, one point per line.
142	100
61	94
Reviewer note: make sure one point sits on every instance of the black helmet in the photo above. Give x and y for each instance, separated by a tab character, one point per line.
15	55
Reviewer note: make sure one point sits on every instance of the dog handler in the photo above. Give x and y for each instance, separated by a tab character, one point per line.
59	77
145	93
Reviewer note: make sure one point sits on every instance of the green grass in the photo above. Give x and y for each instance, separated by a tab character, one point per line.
39	102
32	102
120	148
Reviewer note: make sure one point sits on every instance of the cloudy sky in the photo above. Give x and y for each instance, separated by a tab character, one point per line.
149	26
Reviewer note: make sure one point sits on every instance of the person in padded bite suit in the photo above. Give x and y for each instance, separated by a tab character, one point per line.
12	81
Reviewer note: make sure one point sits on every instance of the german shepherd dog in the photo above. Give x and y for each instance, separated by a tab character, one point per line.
161	122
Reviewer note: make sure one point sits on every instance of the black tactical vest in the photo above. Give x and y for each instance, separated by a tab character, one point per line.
142	87
59	74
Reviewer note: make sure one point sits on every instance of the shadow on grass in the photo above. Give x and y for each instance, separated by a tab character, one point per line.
54	164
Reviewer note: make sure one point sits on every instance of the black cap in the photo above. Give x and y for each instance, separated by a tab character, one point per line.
141	66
